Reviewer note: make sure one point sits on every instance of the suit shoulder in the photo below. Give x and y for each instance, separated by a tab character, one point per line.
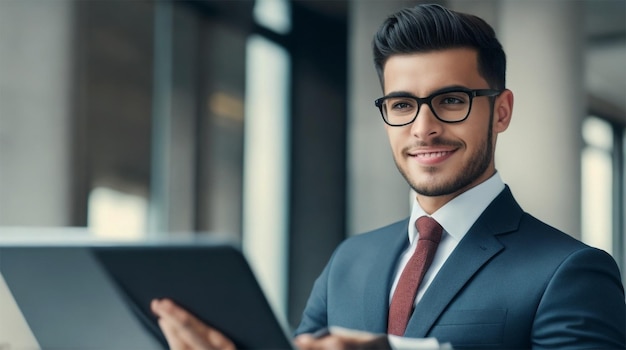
542	240
543	232
399	227
374	239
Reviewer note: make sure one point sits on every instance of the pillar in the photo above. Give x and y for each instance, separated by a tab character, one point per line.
539	156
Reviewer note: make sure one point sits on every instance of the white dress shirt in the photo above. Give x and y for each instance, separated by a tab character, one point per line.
456	217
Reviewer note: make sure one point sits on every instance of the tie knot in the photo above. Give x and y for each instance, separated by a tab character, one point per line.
428	229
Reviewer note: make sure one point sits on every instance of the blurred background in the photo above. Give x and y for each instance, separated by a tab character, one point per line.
254	121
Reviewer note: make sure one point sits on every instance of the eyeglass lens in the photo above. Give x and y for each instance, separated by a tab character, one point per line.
448	106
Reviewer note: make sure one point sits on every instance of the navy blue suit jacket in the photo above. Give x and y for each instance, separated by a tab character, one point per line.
512	282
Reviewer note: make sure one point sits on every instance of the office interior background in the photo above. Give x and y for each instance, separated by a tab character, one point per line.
254	121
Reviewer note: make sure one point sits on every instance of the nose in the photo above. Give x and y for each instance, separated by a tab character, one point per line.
426	125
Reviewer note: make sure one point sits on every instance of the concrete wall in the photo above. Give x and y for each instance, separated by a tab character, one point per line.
35	87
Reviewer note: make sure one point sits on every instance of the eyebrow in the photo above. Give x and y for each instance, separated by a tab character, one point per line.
438	91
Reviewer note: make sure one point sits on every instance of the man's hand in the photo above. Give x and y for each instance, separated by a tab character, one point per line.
183	331
339	338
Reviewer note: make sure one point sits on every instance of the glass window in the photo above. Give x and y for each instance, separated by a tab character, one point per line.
266	167
273	14
597	184
113	120
117	215
603	178
221	128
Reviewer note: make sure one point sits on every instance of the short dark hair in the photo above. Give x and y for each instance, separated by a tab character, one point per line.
431	27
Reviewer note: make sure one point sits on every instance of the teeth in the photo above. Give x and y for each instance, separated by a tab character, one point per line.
432	154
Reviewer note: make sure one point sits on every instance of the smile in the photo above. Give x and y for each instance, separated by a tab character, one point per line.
432	154
431	158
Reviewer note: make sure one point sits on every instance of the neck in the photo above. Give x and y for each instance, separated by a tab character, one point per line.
431	204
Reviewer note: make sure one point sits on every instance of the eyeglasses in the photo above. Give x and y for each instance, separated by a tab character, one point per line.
449	105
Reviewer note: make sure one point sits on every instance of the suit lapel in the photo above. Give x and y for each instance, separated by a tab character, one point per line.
477	247
376	301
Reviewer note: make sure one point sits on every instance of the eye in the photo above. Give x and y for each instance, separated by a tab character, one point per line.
451	101
400	105
451	98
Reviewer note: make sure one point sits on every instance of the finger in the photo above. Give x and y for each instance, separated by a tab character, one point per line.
355	341
186	327
176	315
169	331
330	342
154	306
168	328
218	340
189	329
304	341
346	342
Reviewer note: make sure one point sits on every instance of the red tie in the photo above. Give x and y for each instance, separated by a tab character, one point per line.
404	297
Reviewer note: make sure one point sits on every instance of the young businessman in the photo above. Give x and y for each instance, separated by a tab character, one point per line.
495	276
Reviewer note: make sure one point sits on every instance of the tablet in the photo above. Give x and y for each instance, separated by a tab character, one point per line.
98	296
214	282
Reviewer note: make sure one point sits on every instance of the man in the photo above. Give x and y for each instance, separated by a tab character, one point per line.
495	276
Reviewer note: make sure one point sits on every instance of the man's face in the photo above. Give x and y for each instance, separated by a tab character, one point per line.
441	160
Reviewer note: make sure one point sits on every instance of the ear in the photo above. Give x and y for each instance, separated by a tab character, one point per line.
503	111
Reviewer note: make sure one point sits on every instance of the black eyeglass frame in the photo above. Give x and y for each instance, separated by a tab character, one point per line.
428	100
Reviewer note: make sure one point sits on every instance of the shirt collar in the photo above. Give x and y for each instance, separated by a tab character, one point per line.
457	216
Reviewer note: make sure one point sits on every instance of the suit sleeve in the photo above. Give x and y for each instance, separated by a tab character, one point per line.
315	313
583	306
